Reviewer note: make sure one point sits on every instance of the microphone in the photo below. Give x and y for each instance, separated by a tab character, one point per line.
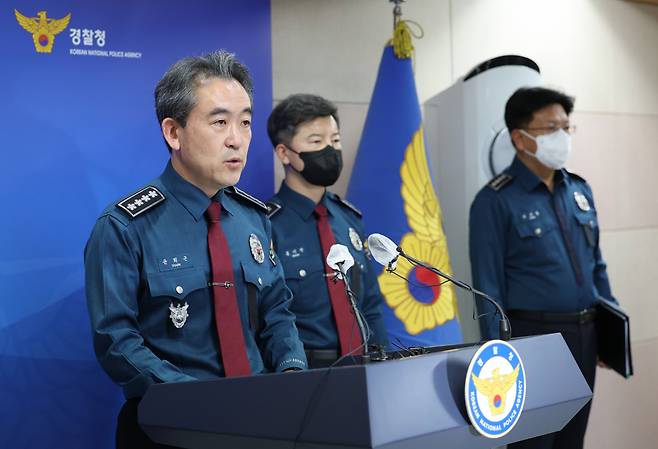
383	250
387	252
340	259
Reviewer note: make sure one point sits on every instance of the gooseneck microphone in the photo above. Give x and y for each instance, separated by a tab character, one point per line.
340	260
386	253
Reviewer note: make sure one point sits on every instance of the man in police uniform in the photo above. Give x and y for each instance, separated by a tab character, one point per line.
307	219
179	284
534	242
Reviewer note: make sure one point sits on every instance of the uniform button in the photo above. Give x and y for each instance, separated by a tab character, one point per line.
591	223
302	272
260	281
537	231
179	289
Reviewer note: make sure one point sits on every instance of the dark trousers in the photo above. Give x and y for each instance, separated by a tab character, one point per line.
581	340
129	435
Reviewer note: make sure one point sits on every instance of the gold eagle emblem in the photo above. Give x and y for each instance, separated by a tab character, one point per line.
495	388
427	242
43	29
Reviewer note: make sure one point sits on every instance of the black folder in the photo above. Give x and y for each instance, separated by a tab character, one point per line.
614	334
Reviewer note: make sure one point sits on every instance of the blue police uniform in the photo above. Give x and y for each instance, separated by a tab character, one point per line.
297	243
520	253
538	254
149	253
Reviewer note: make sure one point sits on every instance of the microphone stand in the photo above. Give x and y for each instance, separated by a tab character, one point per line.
504	330
355	310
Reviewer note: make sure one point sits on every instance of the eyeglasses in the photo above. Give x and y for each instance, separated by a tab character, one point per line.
569	129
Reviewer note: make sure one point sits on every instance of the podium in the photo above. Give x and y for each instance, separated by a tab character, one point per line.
410	403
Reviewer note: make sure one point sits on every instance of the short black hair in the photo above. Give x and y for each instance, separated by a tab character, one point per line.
293	111
527	100
175	93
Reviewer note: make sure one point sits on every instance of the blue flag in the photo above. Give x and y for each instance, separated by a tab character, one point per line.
392	185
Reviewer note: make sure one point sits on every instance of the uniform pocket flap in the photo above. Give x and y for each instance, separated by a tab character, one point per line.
586	220
533	228
301	271
256	276
178	284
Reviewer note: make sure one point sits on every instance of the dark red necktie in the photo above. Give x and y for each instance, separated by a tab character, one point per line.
348	331
227	313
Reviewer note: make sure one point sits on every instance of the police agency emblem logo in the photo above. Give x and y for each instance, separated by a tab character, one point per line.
256	248
178	314
42	28
495	389
85	40
581	201
355	239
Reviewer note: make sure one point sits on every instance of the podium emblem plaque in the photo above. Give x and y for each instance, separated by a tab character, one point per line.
495	389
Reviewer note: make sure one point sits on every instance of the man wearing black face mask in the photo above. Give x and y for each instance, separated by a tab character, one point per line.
306	220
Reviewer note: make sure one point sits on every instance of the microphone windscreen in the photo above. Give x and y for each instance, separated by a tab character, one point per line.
337	254
382	249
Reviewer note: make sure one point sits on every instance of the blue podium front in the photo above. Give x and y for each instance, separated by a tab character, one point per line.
410	403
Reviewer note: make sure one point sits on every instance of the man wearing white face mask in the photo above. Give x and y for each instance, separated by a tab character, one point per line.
534	242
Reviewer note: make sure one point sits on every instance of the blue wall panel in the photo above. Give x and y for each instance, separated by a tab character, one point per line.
79	131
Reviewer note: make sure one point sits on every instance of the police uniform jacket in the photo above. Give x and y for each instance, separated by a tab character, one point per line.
298	246
531	249
149	253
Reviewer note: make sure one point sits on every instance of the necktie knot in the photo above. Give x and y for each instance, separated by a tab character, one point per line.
213	211
320	210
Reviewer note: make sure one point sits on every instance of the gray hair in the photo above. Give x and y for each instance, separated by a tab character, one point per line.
175	93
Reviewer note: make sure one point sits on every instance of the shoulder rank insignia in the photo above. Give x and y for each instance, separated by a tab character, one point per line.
141	201
347	204
575	176
500	181
251	200
272	208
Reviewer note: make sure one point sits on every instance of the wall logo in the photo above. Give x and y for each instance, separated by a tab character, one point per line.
43	29
495	389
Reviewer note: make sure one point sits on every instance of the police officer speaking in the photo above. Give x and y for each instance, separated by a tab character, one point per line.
307	220
178	278
534	242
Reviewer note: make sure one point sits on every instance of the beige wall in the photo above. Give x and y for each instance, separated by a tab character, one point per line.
605	52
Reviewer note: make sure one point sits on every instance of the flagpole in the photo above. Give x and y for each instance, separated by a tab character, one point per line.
397	11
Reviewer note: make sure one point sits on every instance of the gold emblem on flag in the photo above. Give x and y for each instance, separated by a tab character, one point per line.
427	243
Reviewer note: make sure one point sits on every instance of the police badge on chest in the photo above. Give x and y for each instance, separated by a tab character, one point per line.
178	314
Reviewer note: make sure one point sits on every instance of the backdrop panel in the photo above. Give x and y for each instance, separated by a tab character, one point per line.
80	128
